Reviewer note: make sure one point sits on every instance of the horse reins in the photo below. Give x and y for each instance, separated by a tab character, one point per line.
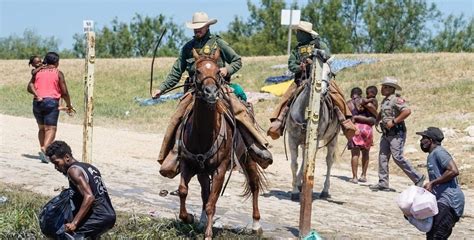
153	60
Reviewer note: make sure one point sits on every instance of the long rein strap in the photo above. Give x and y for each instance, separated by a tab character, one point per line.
153	60
232	152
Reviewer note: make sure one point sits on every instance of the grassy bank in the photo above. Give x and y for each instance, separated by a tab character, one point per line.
19	220
438	87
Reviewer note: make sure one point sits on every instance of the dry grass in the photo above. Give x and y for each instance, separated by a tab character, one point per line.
439	88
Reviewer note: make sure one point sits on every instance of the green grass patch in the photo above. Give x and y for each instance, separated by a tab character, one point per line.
19	220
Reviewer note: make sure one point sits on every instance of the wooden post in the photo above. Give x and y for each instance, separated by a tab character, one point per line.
311	148
88	97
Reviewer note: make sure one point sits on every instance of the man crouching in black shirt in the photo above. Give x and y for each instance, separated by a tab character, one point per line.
93	213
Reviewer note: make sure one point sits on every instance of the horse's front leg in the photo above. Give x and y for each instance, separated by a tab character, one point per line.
299	177
186	176
254	182
295	192
331	148
217	182
205	182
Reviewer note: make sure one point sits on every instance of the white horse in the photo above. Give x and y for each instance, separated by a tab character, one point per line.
328	129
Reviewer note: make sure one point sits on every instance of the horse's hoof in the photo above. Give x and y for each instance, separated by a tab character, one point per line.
257	232
300	188
324	195
295	196
189	219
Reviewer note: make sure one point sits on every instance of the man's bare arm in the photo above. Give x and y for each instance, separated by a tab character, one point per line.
78	179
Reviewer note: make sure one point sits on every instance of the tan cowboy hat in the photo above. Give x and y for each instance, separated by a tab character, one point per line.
306	27
200	19
392	82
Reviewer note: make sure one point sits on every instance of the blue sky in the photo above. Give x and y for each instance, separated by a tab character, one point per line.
63	18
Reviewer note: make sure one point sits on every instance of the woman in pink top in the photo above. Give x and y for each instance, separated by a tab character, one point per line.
47	86
364	119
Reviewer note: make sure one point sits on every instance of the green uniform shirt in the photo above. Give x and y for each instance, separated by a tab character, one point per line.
185	61
391	107
303	50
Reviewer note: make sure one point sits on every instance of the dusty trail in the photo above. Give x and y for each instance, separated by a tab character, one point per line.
127	162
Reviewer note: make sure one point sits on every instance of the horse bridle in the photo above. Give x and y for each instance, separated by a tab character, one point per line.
198	84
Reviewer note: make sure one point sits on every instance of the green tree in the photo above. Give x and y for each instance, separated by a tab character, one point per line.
397	25
15	47
262	33
456	35
172	41
104	42
239	36
136	39
334	30
79	45
267	32
352	14
339	23
124	42
146	30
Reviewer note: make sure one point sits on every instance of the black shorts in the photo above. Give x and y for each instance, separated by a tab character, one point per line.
443	223
46	112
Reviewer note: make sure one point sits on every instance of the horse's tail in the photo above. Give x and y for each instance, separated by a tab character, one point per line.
255	176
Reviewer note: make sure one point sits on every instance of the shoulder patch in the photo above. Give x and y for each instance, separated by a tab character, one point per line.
221	41
400	100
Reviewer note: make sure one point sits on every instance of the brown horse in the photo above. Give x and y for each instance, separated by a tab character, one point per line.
206	146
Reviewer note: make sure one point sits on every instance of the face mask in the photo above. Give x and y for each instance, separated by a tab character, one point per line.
303	37
425	147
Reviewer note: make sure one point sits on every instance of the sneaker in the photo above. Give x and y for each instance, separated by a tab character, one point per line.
43	157
378	187
421	181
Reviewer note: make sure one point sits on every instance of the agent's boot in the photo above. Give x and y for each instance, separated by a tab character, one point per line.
263	157
275	129
170	166
348	127
277	125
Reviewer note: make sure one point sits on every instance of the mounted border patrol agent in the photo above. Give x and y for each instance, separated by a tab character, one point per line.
230	62
392	115
299	62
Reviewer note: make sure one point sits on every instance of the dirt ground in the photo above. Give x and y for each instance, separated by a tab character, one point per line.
127	162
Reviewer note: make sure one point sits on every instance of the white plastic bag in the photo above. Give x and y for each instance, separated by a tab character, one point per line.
424	205
405	199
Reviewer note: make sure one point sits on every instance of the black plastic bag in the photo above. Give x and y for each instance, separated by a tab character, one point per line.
56	213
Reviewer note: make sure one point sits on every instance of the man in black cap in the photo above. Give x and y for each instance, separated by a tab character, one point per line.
443	183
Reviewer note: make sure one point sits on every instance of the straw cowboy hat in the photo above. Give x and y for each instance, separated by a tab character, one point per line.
200	19
306	27
392	82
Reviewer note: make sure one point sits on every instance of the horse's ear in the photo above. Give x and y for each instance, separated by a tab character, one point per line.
195	54
217	54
